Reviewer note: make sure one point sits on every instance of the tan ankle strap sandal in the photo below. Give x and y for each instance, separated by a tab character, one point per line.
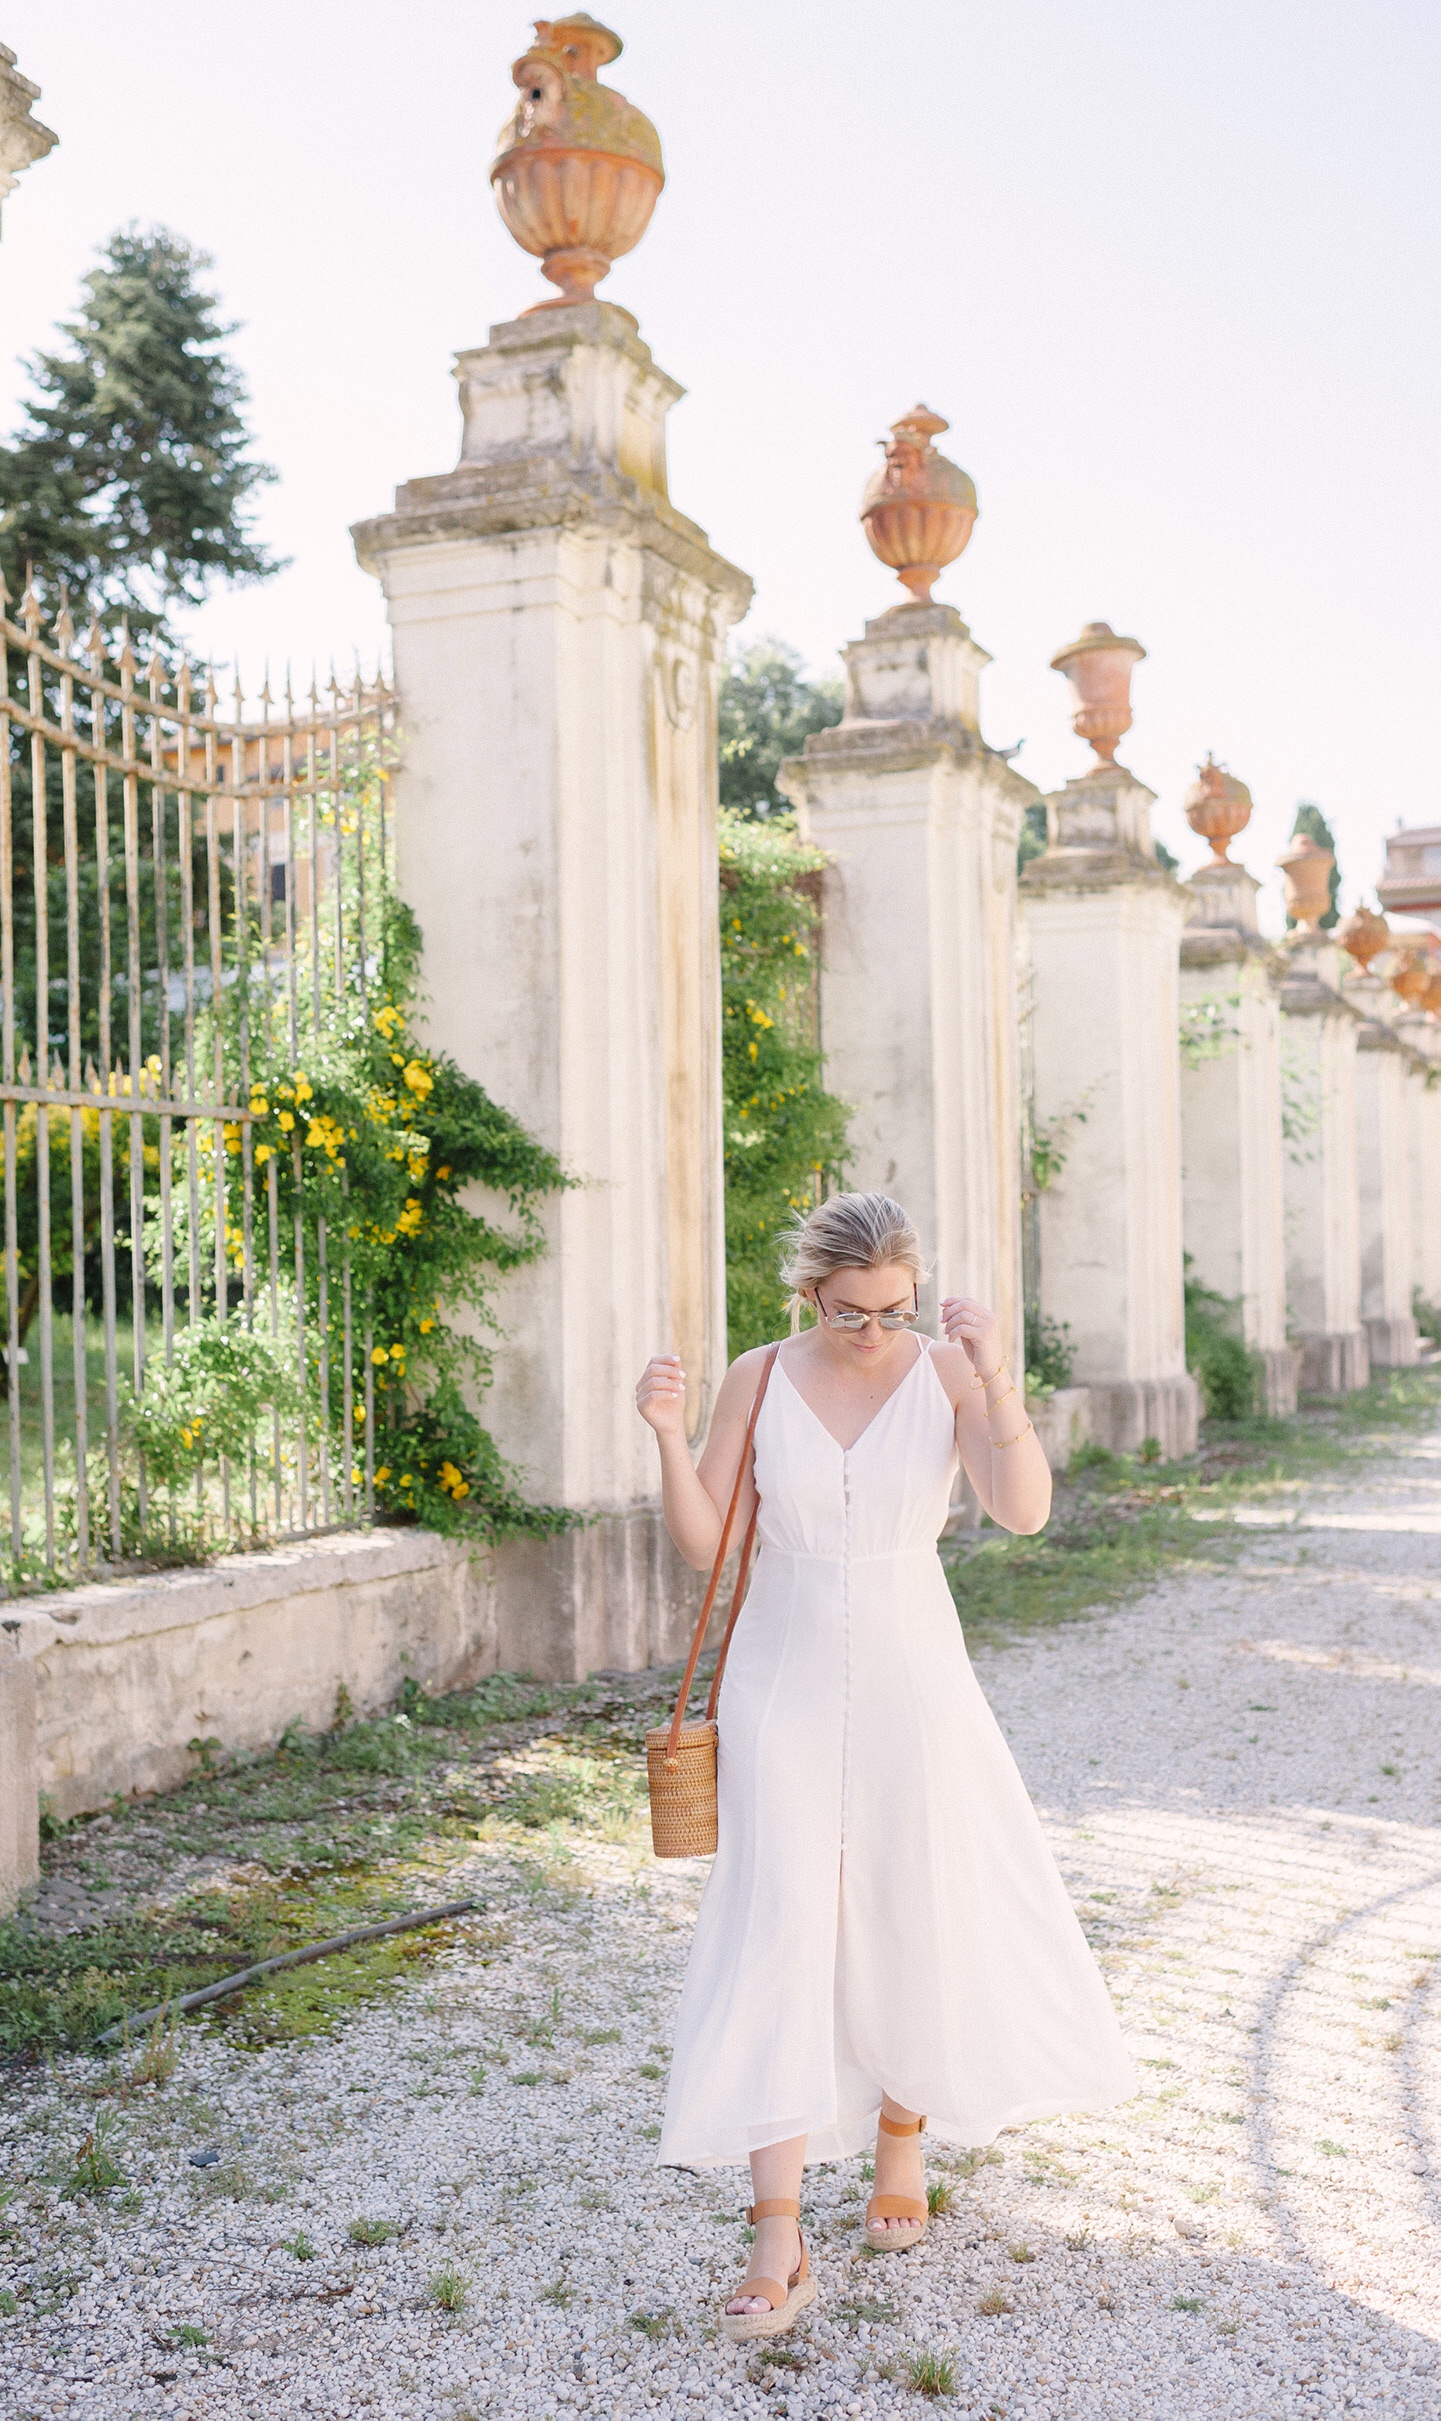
908	2208
786	2302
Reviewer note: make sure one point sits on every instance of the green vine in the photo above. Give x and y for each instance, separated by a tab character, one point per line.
785	1136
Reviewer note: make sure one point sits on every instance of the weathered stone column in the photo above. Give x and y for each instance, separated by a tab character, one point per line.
1231	1110
1103	923
558	632
23	139
1383	1172
1422	1035
918	972
1323	1244
19	1794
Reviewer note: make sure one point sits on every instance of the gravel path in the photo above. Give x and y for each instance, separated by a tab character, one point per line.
1241	1778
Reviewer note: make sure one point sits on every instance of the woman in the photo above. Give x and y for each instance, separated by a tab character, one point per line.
884	1942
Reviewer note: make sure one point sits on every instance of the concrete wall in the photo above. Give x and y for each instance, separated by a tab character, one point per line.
126	1674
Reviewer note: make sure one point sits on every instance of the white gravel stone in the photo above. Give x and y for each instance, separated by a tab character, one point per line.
1241	1778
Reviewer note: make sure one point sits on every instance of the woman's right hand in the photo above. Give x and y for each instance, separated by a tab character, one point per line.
660	1395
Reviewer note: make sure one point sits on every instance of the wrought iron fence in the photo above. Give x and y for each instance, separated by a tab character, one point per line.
187	899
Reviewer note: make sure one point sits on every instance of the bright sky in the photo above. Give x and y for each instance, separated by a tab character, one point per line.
1170	271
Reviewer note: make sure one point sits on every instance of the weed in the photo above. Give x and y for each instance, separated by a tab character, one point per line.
1332	2151
8	2305
373	2231
782	2358
594	2200
653	2325
649	2069
95	2168
931	2374
939	2200
994	2302
477	2080
1188	2303
1203	2193
1020	2252
877	2315
188	2334
596	2035
559	2291
449	2288
527	2076
1078	2241
299	2244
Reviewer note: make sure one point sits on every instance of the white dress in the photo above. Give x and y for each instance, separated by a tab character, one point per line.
883	1911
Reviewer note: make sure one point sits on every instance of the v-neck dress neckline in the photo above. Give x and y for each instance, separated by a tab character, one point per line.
881	1409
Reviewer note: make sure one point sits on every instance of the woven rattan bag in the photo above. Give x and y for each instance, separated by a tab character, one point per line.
681	1760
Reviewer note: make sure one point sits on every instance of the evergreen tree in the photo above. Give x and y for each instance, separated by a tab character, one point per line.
1310	820
130	477
768	707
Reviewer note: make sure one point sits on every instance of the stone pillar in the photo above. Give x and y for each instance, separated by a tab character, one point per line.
1422	1036
1231	1134
1323	1249
918	977
19	1791
1103	923
1383	1173
23	140
558	633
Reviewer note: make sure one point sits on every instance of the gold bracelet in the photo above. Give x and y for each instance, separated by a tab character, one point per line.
1000	1399
978	1381
999	1444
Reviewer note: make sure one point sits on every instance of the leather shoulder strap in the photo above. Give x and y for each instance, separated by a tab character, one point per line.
718	1566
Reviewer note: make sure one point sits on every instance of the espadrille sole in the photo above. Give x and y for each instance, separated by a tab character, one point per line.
741	2327
895	2240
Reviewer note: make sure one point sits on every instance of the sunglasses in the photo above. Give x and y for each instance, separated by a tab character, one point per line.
850	1321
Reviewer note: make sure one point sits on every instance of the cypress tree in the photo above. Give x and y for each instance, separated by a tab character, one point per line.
1312	822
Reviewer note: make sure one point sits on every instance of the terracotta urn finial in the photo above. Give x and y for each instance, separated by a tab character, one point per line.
918	510
1306	877
577	169
1411	981
1365	935
1217	808
1099	666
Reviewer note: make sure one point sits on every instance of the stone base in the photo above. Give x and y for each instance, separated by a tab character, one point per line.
1334	1361
1392	1344
1125	1412
19	1793
1280	1380
1063	1423
113	1680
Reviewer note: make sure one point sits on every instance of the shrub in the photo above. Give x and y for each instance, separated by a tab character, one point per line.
1226	1371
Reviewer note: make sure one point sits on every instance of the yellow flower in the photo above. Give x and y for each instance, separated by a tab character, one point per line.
397	1353
406	1481
398	1058
442	1173
387	1019
263	1152
259	1106
461	1488
378	1354
426	1327
382	1475
287	1119
303	1091
419	1078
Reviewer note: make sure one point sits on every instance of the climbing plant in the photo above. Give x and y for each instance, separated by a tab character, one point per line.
785	1135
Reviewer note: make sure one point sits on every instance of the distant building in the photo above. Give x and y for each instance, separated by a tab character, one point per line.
1412	881
23	140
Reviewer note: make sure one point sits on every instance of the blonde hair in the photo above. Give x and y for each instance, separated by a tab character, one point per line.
848	1231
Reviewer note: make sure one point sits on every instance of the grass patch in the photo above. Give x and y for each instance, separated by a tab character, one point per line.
331	1830
449	2288
373	2231
1119	1521
931	2375
994	2302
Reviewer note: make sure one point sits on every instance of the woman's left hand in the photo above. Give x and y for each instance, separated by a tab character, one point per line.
968	1323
